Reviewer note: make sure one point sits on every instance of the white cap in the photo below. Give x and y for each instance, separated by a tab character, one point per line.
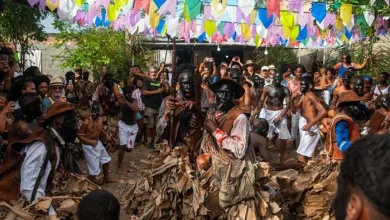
264	68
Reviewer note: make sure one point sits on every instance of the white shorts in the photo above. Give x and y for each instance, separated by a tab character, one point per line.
295	125
281	128
95	156
308	142
127	134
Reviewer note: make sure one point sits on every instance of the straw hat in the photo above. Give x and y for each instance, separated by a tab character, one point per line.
271	67
56	82
57	109
249	62
350	96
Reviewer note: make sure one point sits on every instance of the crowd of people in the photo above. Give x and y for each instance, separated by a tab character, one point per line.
242	107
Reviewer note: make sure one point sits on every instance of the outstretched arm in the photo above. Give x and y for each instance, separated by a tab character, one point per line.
337	65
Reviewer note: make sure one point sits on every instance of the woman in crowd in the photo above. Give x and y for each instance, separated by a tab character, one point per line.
346	63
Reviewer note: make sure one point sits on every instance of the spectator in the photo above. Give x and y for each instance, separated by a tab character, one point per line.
32	71
56	94
70	85
222	72
137	95
42	83
152	96
249	69
286	71
99	205
136	71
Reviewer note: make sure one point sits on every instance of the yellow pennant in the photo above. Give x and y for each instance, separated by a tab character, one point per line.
218	6
185	12
339	23
52	6
253	16
294	32
246	31
257	40
153	15
287	19
210	27
346	13
325	34
120	3
112	13
286	32
79	3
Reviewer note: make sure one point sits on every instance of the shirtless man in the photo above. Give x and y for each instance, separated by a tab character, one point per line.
347	76
312	112
258	86
128	129
273	111
248	102
94	151
384	110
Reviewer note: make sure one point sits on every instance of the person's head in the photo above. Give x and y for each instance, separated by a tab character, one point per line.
265	70
62	118
78	71
69	76
226	91
85	75
368	81
347	76
223	71
136	69
272	69
95	110
31	106
249	66
32	71
28	85
299	70
359	86
349	104
3	98
99	205
258	82
162	65
236	75
351	69
186	80
363	183
383	78
108	80
277	80
56	88
153	73
347	59
261	127
330	73
322	70
385	102
285	70
137	82
42	83
106	70
164	76
306	83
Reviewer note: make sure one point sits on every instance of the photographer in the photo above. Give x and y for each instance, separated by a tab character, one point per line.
208	63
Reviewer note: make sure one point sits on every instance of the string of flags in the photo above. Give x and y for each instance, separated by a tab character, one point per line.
286	23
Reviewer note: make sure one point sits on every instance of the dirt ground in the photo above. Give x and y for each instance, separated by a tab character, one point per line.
133	159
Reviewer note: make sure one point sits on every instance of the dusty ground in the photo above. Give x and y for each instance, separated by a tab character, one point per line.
134	157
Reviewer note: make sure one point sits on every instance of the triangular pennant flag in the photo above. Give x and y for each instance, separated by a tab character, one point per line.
229	29
234	36
339	24
193	8
246	6
369	16
154	17
102	21
294	32
295	5
267	21
286	32
202	37
185	13
257	40
287	19
158	3
346	13
160	26
52	6
351	24
261	31
138	4
168	6
318	10
219	6
172	25
231	12
210	27
221	27
273	7
112	13
302	34
79	3
246	31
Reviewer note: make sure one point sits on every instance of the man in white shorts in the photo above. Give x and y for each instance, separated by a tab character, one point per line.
128	129
94	151
275	113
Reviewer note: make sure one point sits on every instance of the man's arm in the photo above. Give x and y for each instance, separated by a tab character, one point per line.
237	141
335	99
321	112
262	99
256	110
288	103
142	75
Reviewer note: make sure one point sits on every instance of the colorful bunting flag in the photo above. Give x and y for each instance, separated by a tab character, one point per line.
193	8
210	27
273	7
144	4
318	10
295	5
246	31
168	6
346	13
246	6
263	17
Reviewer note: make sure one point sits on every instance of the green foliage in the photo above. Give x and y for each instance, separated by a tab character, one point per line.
277	55
21	25
98	47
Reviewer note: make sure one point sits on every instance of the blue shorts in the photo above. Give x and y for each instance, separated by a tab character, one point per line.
138	116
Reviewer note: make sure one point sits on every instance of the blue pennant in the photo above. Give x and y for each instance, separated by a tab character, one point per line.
234	36
202	37
283	41
160	26
263	17
318	10
347	33
102	22
159	3
302	33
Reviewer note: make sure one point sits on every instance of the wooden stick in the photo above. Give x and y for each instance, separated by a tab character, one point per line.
173	94
197	79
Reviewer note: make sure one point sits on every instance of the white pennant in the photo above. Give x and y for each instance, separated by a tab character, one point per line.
231	12
369	17
246	6
128	7
261	31
172	26
68	9
351	24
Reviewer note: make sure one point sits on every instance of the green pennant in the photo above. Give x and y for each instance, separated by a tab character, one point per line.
221	27
193	8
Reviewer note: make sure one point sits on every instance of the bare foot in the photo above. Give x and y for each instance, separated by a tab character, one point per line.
119	171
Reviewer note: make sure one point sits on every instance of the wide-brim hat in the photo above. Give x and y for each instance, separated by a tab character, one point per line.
57	109
56	82
249	62
350	96
237	88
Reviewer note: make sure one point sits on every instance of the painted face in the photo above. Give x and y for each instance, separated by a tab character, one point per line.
258	81
359	87
34	109
382	79
385	103
85	75
186	81
277	79
95	111
346	81
43	89
305	86
153	74
108	82
68	129
225	98
237	77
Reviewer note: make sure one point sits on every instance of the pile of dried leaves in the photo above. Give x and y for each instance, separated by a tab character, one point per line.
170	188
66	192
310	192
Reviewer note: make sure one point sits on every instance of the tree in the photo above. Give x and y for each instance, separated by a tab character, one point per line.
98	47
21	25
276	55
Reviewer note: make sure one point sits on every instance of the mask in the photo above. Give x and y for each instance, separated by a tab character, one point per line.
277	79
355	112
224	98
258	82
346	81
359	88
95	110
186	81
237	78
68	129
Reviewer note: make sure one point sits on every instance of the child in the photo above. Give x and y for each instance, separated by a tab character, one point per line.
94	151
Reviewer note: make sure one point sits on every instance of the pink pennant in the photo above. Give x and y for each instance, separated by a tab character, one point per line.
273	7
254	31
240	15
80	17
115	25
304	19
330	19
295	5
94	10
42	5
144	4
169	6
206	12
192	25
104	3
135	16
229	29
32	2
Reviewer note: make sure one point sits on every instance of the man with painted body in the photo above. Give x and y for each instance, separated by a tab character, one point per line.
272	110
